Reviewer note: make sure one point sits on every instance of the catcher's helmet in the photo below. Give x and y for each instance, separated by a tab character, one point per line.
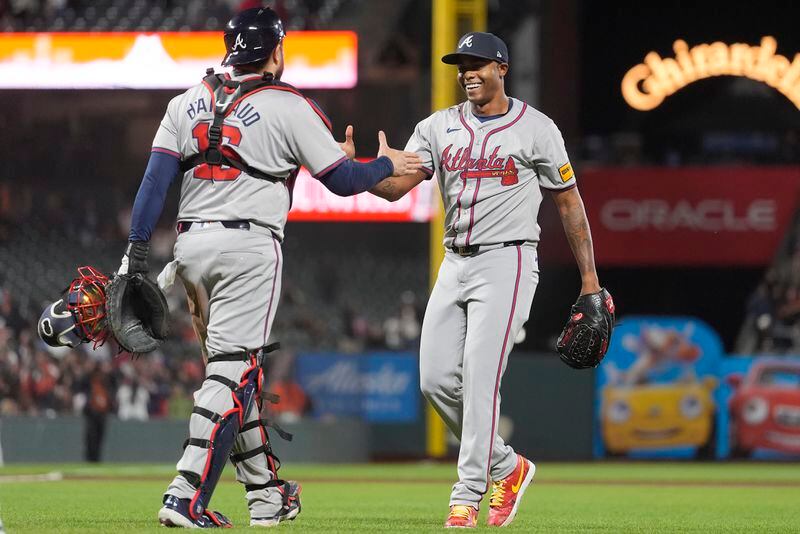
252	35
57	326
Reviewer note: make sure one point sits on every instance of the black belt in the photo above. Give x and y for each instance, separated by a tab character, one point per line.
470	250
183	226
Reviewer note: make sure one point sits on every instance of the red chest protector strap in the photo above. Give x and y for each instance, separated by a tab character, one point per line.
224	93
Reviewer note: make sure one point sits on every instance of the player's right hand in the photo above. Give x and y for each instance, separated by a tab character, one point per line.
403	162
349	147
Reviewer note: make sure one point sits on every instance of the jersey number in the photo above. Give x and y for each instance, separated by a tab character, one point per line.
230	136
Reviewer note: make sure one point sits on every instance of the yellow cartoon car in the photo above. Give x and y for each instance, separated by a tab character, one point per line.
658	416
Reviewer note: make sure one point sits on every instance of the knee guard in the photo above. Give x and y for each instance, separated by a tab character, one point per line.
227	426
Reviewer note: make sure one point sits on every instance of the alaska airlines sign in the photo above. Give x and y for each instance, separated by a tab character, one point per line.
647	84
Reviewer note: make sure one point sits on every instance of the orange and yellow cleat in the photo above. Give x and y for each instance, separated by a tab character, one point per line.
507	493
462	516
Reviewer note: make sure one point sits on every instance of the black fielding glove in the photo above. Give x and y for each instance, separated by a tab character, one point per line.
584	340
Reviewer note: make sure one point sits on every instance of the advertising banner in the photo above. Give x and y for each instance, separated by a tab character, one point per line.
759	401
686	216
311	201
655	390
378	387
161	60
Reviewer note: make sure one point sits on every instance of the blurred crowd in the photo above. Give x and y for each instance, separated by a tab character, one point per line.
164	15
36	379
772	323
39	380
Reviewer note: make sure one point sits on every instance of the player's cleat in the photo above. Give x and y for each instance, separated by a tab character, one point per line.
462	516
507	493
175	513
290	509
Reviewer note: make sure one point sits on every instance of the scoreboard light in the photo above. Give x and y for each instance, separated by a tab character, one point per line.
165	60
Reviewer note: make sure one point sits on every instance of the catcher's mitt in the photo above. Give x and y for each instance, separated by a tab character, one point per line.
584	340
138	315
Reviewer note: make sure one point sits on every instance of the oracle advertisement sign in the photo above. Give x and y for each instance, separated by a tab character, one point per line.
689	216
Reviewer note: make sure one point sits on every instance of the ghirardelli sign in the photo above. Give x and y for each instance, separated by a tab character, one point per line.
646	85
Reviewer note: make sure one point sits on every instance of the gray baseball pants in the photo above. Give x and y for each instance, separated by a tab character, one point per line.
476	310
233	282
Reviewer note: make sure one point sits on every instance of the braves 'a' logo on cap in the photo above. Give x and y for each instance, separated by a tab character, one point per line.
467	41
239	42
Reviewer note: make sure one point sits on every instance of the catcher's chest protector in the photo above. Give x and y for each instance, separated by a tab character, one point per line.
225	96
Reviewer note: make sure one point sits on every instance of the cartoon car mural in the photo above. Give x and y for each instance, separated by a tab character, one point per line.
765	408
658	416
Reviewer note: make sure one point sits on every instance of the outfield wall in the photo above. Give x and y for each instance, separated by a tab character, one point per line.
546	413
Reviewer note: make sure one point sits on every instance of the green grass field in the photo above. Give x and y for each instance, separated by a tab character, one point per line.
592	497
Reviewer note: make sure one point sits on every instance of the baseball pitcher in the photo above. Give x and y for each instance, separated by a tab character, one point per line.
493	156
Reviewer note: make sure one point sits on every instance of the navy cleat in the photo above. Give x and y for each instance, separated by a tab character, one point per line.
291	506
175	513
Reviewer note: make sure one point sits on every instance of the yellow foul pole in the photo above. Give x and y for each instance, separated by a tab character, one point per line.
451	18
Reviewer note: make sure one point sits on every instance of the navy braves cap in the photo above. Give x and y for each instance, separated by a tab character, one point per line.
479	44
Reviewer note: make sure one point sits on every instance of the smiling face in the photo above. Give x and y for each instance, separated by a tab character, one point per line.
481	79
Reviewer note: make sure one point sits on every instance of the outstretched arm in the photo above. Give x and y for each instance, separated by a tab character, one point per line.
348	177
576	227
395	187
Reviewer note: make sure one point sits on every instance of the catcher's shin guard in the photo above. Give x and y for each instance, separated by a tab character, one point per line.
226	426
257	467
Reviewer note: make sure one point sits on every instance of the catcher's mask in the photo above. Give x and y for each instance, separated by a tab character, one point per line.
86	301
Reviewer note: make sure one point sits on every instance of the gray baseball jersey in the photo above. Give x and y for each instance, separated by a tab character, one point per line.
232	274
490	173
274	129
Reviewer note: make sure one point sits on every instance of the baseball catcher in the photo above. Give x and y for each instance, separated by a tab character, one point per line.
584	340
130	308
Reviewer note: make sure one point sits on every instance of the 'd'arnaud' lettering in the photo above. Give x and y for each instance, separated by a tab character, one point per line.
492	166
246	113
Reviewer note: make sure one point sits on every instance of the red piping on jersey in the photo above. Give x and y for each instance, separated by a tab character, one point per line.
166	151
211	92
509	125
483	152
321	174
319	112
556	189
274	283
500	367
463	178
288	90
472	209
316	109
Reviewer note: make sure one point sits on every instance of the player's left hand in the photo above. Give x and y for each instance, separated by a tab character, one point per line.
584	340
349	147
135	258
